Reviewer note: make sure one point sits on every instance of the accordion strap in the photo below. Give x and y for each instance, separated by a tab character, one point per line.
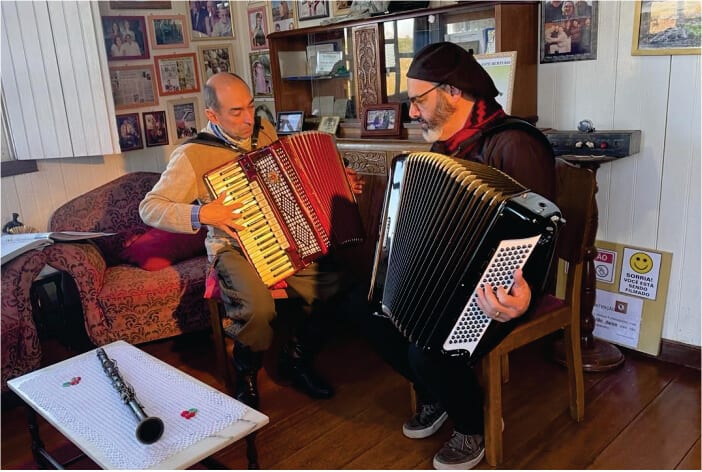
211	140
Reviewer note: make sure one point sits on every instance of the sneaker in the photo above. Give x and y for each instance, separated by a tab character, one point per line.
461	452
424	423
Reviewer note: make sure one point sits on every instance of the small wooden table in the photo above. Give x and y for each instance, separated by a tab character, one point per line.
77	397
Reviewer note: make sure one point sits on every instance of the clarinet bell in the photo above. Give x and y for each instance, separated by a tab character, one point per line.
149	430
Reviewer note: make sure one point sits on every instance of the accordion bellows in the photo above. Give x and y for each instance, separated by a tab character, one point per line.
449	226
297	203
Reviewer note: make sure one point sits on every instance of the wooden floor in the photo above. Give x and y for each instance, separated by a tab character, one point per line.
646	415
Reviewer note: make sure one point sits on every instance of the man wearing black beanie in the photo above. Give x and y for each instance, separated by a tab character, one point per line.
453	98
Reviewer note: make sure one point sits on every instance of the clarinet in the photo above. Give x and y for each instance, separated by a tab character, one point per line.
150	428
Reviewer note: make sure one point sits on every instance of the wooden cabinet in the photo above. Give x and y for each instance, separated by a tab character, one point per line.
377	53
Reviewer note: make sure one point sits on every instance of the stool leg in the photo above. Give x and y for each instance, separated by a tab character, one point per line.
41	457
252	452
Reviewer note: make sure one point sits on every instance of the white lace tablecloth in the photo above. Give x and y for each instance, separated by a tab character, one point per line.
90	409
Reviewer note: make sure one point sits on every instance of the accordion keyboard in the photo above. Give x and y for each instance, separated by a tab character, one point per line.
262	237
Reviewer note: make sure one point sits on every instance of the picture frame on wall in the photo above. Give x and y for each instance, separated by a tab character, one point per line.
381	120
133	86
140	5
283	15
215	58
310	10
155	128
501	67
666	28
261	74
185	118
125	38
211	21
289	122
568	31
258	28
168	31
177	74
341	8
129	131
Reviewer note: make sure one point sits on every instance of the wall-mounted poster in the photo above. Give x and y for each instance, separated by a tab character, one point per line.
125	38
168	31
258	28
283	15
500	67
261	74
133	86
309	10
184	119
177	74
663	28
568	31
215	58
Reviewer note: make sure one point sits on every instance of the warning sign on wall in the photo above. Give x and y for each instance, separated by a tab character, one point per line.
604	265
640	270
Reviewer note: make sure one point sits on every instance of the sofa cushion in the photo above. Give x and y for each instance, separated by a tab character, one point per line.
157	249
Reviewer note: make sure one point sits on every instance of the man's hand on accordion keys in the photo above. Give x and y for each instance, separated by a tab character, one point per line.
355	181
219	215
503	306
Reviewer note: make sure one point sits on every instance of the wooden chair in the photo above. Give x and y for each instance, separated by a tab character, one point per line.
575	190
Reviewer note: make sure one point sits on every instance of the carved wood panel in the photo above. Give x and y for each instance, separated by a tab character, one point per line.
368	58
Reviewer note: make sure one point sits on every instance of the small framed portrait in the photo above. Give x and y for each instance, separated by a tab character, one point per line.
215	58
265	109
340	8
289	122
258	27
129	132
155	129
261	74
177	74
312	9
211	20
568	31
133	86
185	118
329	124
168	31
381	120
282	15
125	38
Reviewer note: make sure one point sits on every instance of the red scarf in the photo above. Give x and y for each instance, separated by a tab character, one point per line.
483	113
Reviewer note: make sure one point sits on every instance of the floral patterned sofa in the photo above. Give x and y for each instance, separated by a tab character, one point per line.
21	350
140	284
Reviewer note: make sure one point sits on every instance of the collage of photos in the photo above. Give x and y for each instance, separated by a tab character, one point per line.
569	31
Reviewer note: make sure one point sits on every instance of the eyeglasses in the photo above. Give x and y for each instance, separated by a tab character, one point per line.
413	100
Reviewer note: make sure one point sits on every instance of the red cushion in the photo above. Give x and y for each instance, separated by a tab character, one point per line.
157	249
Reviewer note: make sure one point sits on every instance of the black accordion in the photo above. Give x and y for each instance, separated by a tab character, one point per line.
449	226
297	203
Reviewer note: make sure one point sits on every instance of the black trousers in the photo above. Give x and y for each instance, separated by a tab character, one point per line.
436	377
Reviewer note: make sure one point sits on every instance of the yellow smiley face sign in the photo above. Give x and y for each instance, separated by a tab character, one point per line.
641	263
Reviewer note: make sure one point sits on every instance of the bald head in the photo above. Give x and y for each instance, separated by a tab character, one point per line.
223	83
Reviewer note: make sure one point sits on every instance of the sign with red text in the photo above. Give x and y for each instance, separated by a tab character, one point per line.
605	264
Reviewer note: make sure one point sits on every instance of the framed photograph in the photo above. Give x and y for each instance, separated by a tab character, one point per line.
329	124
215	58
125	38
289	122
568	31
261	74
211	20
283	15
666	28
340	8
133	86
140	5
311	9
266	110
177	74
129	132
501	67
381	120
258	28
168	31
185	118
155	129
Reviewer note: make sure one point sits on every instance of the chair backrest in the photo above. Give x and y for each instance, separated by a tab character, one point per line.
111	208
575	191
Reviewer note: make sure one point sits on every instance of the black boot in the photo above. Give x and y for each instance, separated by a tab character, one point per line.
247	363
295	365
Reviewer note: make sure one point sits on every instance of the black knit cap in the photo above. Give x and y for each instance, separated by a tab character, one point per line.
450	64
